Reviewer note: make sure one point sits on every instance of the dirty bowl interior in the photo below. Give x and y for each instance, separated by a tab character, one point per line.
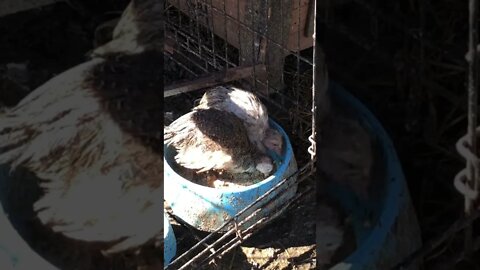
385	226
208	208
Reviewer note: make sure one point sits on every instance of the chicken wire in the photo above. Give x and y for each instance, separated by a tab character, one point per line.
203	52
369	32
192	26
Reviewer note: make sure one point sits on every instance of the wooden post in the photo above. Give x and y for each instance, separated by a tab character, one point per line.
270	21
250	36
278	33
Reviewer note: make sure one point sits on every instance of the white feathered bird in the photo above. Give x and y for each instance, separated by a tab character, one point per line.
92	137
248	107
210	139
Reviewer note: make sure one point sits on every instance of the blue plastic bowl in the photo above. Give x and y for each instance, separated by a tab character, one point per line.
208	208
170	242
393	232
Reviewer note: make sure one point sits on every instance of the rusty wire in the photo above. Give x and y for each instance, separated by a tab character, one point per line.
467	180
195	255
177	29
436	242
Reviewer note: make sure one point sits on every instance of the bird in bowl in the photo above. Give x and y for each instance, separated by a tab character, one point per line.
253	113
211	139
226	133
91	135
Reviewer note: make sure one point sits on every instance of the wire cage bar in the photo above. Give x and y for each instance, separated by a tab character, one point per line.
267	48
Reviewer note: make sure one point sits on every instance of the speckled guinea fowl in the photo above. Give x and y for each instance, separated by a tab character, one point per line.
210	139
248	107
92	137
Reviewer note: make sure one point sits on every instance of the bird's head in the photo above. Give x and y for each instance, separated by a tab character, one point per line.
139	29
273	140
257	131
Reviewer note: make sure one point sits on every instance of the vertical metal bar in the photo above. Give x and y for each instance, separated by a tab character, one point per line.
316	78
472	168
320	98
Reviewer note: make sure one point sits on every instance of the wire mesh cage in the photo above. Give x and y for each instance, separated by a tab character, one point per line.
262	46
413	55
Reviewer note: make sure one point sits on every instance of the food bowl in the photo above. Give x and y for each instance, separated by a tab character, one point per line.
385	226
207	208
170	242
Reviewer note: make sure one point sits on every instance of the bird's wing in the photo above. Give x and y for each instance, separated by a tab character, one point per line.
208	139
99	184
245	105
47	120
122	201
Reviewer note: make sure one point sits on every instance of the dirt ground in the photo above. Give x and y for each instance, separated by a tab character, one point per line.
289	241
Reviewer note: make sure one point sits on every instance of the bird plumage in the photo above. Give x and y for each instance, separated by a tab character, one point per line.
249	108
210	139
92	137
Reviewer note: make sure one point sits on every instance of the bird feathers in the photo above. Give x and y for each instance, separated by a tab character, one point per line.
101	182
245	105
210	139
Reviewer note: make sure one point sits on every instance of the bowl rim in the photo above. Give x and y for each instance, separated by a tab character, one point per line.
169	238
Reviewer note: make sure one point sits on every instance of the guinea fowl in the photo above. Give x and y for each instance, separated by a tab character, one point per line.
91	135
248	107
210	139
